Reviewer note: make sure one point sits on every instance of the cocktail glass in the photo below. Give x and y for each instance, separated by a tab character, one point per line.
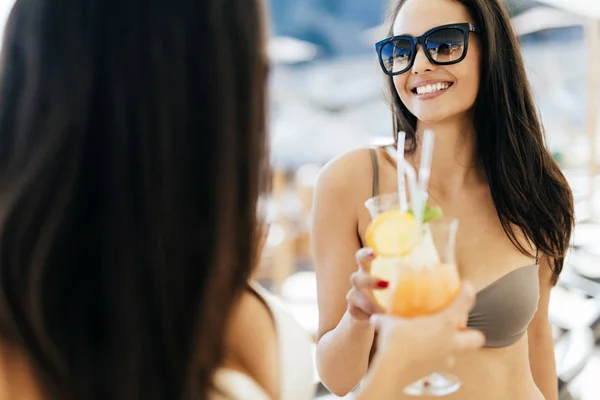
424	281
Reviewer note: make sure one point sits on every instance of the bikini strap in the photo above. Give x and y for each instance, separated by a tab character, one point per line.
375	172
537	257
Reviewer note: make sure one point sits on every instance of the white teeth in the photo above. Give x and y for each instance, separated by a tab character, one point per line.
432	88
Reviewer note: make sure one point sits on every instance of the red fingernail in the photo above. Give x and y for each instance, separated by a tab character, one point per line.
382	284
370	254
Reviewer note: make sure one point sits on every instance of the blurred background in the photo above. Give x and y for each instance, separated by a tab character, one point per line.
327	98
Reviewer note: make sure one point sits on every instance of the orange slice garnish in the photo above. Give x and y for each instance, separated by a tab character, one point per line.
392	234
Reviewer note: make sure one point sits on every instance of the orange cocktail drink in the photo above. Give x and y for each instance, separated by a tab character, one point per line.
419	262
419	265
418	292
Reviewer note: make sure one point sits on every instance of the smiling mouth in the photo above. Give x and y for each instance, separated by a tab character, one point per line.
433	88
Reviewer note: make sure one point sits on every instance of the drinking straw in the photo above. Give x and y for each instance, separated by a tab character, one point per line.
415	196
400	168
425	165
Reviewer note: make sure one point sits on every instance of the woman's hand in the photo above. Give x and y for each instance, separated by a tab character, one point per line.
429	339
361	302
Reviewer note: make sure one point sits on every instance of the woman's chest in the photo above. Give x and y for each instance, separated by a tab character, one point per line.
484	249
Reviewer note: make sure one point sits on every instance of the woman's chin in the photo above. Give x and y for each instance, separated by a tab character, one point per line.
431	118
435	117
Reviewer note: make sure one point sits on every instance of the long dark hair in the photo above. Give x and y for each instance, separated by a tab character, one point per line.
529	190
132	138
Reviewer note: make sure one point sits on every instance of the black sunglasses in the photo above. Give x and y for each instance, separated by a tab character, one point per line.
443	45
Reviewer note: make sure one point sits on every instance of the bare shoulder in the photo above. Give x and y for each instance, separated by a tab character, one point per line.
350	174
251	345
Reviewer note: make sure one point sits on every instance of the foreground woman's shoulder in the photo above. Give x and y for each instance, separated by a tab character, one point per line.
251	346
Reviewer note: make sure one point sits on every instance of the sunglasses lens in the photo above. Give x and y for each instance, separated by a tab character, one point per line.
446	45
396	55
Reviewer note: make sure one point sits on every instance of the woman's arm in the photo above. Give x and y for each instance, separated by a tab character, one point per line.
541	343
344	342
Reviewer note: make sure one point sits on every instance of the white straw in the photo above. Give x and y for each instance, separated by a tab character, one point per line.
399	166
415	195
425	165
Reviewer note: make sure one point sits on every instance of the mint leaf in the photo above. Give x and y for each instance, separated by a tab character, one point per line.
431	213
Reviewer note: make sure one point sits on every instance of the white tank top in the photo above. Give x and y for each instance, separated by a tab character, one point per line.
296	355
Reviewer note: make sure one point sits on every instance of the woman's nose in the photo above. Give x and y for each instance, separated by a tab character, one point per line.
422	63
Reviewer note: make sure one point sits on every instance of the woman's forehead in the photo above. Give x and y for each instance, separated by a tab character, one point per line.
418	16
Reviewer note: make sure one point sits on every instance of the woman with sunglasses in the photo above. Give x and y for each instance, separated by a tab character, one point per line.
454	67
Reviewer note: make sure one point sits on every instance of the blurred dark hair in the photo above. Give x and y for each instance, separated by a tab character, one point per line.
132	140
529	190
